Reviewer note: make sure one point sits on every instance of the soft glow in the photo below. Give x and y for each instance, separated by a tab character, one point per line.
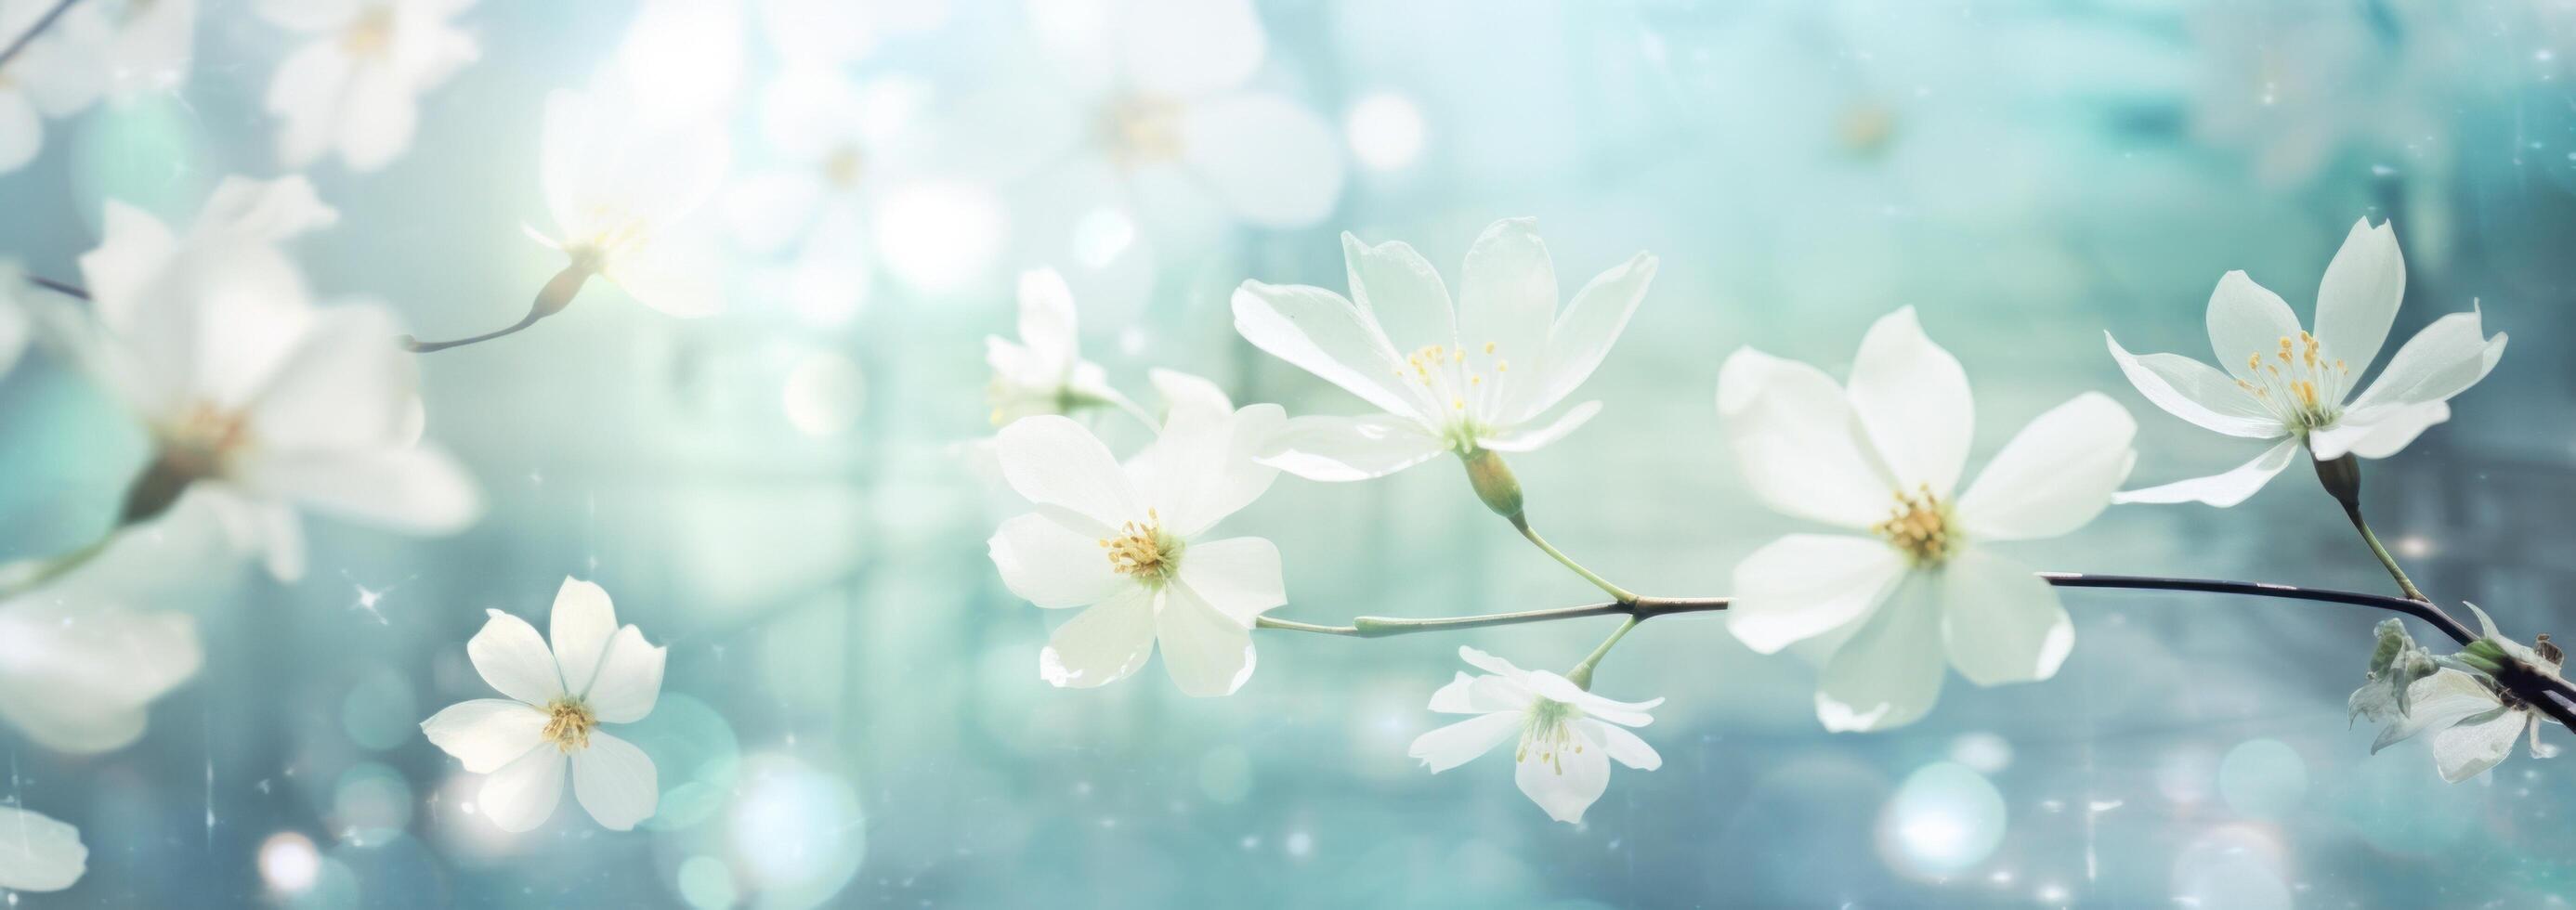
823	394
686	55
1943	820
289	863
1102	236
939	237
1386	131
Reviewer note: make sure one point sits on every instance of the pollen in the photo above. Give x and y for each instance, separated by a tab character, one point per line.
1141	549
1919	526
568	724
1546	732
2300	384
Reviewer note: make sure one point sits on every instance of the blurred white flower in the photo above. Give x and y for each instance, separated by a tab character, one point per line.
1480	375
622	193
16	326
2474	724
2288	385
2396	664
596	673
1044	372
845	146
56	75
355	88
257	400
1884	456
38	853
146	45
836	33
1567	735
1125	541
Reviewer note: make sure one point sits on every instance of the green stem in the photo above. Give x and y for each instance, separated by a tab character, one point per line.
1623	595
1643	608
28	576
1581	675
2404	584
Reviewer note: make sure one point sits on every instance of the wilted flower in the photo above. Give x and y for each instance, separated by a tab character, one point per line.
2395	665
355	87
1567	735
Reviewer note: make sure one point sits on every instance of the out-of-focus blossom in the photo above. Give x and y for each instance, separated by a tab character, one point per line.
257	400
2291	387
1884	456
681	60
1044	373
38	853
844	146
16	326
1567	735
835	33
148	45
54	76
595	673
1481	375
622	194
2395	666
355	88
1125	542
2473	724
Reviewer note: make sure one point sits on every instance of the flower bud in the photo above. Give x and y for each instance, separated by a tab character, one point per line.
2342	479
1494	482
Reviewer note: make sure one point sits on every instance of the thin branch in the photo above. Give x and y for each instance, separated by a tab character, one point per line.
29	36
60	287
551	299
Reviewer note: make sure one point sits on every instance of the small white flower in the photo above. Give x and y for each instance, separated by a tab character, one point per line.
38	853
54	76
1044	373
622	192
1128	543
2473	723
1481	375
2295	387
258	400
2395	666
596	673
355	88
1567	735
1884	456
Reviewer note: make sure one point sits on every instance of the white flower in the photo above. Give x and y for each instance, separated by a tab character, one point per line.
355	88
1884	457
80	664
256	399
1481	375
2474	724
2292	386
38	853
596	673
1044	372
622	192
845	148
2395	666
1565	745
837	33
17	326
53	77
1128	542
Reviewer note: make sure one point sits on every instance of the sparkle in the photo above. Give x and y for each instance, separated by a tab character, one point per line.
1919	525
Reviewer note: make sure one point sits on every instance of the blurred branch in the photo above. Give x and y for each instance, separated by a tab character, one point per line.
64	288
43	22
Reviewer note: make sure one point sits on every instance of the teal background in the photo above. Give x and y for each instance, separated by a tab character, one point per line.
852	714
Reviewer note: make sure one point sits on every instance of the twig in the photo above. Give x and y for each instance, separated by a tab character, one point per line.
29	36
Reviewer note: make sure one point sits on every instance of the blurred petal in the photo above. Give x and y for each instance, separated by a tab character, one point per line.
1273	162
1453	745
2000	622
38	853
421	491
1351	448
1186	48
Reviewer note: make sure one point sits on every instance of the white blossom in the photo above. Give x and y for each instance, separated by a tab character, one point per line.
1567	736
623	191
354	89
38	853
1043	372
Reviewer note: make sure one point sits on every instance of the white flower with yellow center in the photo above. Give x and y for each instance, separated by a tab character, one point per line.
1566	736
38	853
2286	384
355	87
623	191
1482	375
1883	457
1128	542
596	673
1043	372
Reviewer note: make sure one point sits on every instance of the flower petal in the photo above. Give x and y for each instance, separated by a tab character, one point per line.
413	490
1623	713
2378	432
486	733
1805	585
513	659
2358	299
1052	566
340	386
1351	448
522	794
1480	695
2443	360
1583	334
1526	438
1321	333
615	781
1790	429
1240	576
578	627
2055	475
1103	644
1563	782
2000	622
2221	490
1401	291
1187	392
1207	652
2196	392
1205	467
1507	299
1456	744
629	680
2247	320
1888	673
1491	664
1627	747
2438	702
1911	398
39	853
1048	325
2469	748
1272	161
77	671
1053	461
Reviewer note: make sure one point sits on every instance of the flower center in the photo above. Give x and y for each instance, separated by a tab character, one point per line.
843	167
1458	378
568	724
1546	731
371	35
1919	527
1142	129
1143	551
2299	383
203	443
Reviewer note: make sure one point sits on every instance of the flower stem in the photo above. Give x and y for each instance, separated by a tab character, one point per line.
29	36
64	288
21	578
2386	561
2341	476
1581	675
551	299
1623	595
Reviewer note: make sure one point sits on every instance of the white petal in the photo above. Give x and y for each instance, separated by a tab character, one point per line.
1491	664
1323	334
2378	432
1527	438
1507	299
677	278
1054	461
1623	713
2000	622
1480	695
1911	398
1627	747
1186	48
522	794
415	490
629	680
2443	360
1888	673
2437	702
1271	161
1048	324
1240	575
342	386
615	781
580	623
38	853
2196	392
77	671
514	660
486	733
2469	748
265	209
22	131
1187	392
1791	431
2221	490
1402	291
381	117
2245	319
1565	783
2358	298
1207	652
1205	467
2055	475
1453	745
1103	644
1052	566
1805	585
1583	334
1351	448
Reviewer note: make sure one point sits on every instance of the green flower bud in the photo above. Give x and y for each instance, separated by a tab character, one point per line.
1494	482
